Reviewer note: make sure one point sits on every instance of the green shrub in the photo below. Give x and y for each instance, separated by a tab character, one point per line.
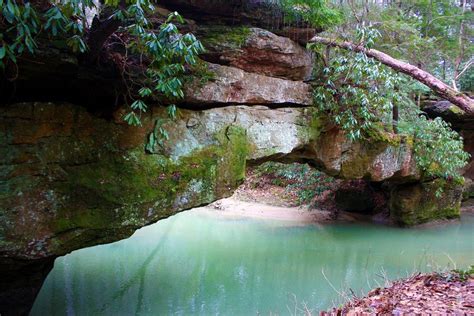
300	179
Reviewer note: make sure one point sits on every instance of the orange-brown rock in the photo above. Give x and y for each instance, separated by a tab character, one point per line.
234	86
257	51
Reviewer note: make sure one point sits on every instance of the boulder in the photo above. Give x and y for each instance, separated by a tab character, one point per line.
384	157
231	85
460	121
417	203
257	51
450	113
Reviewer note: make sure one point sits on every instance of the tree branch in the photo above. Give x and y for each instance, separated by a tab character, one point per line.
468	65
441	89
99	33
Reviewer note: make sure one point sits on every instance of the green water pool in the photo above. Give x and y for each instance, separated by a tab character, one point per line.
200	263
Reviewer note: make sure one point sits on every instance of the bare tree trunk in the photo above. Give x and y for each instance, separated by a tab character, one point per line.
459	58
430	17
444	68
395	118
100	31
444	91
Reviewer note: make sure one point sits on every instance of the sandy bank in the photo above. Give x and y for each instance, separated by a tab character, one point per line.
234	208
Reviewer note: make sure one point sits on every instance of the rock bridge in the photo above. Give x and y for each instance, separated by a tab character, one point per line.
70	178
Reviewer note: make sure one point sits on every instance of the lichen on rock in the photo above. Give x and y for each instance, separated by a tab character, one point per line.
72	179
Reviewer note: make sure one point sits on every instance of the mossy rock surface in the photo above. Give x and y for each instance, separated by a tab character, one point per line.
224	36
418	203
257	51
72	180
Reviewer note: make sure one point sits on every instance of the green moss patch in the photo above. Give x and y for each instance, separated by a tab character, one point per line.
221	35
418	203
135	188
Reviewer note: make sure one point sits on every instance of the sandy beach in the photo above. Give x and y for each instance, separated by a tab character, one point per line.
234	208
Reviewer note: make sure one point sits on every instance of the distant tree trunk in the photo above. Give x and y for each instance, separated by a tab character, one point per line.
444	68
460	57
430	17
443	90
395	119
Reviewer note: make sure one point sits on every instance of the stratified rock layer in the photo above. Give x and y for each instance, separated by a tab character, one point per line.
383	157
234	86
70	179
257	51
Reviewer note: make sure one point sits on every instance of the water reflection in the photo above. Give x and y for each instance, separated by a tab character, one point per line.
201	264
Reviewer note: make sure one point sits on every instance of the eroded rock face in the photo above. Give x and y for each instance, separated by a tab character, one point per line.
234	86
257	51
417	203
387	157
70	179
269	132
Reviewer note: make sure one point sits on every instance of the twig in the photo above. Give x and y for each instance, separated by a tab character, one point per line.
332	286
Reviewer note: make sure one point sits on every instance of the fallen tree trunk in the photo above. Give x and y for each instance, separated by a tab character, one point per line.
441	89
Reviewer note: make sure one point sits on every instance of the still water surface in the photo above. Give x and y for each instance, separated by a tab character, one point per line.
200	263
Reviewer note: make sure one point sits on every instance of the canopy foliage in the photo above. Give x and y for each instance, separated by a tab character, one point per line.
363	97
156	56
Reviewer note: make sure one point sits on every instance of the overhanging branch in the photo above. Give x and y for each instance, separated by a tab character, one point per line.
441	89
